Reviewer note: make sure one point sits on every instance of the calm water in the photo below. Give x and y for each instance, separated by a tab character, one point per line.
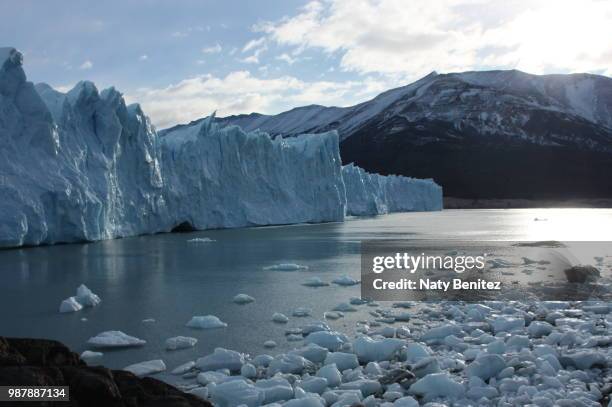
165	278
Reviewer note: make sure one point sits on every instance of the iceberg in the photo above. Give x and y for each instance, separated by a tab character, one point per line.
206	322
114	339
221	359
70	304
146	368
180	342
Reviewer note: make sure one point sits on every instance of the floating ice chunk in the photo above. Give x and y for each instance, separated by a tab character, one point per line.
180	342
333	315
437	334
406	401
538	329
294	338
416	351
243	299
114	339
200	392
437	385
275	389
286	267
373	368
269	344
301	312
312	352
146	368
262	360
313	384
235	393
206	378
584	360
184	368
486	366
248	370
288	363
331	373
221	358
89	356
87	298
507	324
206	322
372	350
148	321
426	366
308	401
344	307
315	326
280	318
345	280
330	340
315	282
70	304
342	360
366	386
201	240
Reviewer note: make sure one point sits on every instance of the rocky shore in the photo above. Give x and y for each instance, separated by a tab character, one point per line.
42	362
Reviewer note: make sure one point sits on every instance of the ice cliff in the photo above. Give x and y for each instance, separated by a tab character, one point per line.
83	166
224	177
375	194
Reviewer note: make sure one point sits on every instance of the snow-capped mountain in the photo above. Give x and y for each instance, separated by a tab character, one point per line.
489	102
470	130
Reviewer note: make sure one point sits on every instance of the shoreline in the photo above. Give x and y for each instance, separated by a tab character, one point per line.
519	203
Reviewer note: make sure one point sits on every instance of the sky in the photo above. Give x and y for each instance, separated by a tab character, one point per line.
182	60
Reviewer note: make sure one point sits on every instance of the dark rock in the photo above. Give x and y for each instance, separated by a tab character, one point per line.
401	376
41	362
582	274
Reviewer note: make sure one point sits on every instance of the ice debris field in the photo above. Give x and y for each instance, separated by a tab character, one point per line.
84	166
409	354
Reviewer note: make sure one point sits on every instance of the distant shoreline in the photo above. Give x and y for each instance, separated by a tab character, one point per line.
464	203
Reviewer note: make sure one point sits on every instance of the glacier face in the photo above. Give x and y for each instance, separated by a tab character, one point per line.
375	194
224	177
84	166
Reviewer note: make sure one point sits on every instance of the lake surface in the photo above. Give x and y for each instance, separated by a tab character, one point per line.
170	280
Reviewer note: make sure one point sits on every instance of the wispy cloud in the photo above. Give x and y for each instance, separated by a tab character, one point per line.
143	57
214	49
86	65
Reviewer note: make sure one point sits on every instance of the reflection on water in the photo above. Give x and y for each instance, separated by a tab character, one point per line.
165	278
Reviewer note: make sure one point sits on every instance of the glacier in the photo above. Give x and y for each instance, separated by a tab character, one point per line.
374	194
85	166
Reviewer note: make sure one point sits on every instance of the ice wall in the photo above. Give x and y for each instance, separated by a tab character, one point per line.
375	194
83	166
75	166
224	177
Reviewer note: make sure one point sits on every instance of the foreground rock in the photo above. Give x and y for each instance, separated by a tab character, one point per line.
40	362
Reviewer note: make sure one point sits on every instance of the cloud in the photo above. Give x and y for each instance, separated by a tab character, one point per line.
86	65
242	92
408	39
287	58
214	49
143	57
